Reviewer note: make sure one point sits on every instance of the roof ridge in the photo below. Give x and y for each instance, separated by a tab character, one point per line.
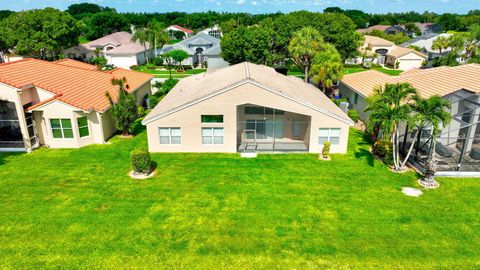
247	71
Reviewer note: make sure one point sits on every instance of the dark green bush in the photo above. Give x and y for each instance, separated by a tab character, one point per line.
141	162
134	67
150	66
367	64
168	85
384	149
158	61
152	101
353	115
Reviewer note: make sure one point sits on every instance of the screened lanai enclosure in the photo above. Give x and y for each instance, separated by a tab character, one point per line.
262	129
458	145
10	132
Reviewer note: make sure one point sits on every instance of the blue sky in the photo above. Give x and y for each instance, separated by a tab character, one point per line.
256	6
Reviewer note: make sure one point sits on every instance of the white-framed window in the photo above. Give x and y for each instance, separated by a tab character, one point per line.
170	136
331	135
61	128
83	127
212	135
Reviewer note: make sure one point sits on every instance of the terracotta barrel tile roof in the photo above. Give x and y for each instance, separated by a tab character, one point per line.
82	88
76	64
186	30
435	81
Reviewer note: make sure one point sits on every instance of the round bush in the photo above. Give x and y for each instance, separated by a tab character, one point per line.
353	115
367	64
151	66
141	162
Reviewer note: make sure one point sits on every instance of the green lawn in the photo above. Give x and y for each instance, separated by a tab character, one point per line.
79	209
166	73
392	72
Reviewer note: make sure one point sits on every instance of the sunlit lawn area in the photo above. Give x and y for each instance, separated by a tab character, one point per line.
392	72
175	74
79	209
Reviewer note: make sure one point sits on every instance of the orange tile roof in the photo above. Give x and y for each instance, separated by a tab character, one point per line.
81	88
186	30
76	64
434	81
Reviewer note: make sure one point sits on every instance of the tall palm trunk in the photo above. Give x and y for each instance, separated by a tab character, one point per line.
409	150
145	51
306	72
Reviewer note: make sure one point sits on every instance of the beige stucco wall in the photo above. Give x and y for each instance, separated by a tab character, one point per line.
189	120
359	106
407	61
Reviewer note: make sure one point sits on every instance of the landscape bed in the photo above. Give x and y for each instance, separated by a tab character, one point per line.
80	209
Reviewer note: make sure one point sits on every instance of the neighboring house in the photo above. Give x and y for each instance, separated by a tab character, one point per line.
203	50
213	31
177	28
60	104
428	28
118	48
373	49
383	52
246	108
459	142
405	58
9	57
387	29
425	43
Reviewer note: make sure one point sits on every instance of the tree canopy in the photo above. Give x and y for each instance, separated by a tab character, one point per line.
40	33
104	23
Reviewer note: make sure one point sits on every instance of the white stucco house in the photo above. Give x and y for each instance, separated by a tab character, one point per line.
203	50
177	28
213	31
118	48
60	104
383	52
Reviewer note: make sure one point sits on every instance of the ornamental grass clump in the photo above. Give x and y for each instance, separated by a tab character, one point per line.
326	150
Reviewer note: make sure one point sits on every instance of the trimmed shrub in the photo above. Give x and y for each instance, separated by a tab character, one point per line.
134	67
382	148
168	85
140	111
353	115
152	101
326	149
367	64
150	66
158	61
141	162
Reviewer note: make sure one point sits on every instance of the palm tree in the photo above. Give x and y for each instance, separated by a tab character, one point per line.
327	67
303	47
157	34
142	36
441	43
389	107
434	115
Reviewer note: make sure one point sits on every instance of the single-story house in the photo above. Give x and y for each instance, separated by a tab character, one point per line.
203	50
246	108
459	142
118	48
384	52
428	28
177	28
406	58
374	49
387	29
60	104
425	43
214	31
